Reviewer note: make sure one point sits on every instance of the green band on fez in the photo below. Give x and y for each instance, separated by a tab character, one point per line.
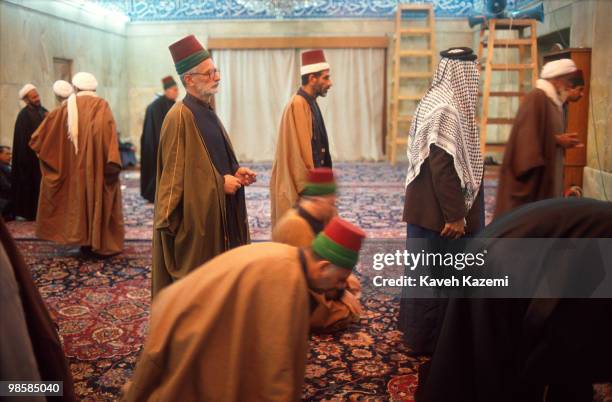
333	252
319	189
191	61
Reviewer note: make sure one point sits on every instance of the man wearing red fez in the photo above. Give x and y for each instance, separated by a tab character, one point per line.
236	329
302	142
298	227
149	141
200	210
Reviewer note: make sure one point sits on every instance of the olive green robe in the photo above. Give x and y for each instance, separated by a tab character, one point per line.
189	225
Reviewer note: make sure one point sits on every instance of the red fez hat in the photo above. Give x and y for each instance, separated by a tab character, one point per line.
168	82
313	61
339	243
187	53
321	175
320	181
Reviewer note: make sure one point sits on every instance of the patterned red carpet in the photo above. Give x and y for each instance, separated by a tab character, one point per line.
101	306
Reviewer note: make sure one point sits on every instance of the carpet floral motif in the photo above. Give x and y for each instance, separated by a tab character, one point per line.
101	306
370	195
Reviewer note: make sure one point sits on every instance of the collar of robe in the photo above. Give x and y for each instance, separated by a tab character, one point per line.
550	91
316	225
198	101
306	95
73	117
87	93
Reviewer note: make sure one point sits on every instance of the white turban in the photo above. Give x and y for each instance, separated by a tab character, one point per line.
62	88
557	68
25	90
85	81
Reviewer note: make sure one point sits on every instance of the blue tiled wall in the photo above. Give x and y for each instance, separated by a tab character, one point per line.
168	10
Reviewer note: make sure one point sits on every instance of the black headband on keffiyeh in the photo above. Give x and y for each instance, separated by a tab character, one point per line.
446	117
459	53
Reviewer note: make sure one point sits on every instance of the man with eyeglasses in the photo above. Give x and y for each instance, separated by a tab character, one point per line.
302	142
200	208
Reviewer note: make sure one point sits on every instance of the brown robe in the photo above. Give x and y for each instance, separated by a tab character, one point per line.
235	329
80	193
531	161
293	158
328	315
190	223
41	331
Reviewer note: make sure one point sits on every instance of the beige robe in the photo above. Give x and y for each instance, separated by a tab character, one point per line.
190	221
293	158
80	193
235	329
328	315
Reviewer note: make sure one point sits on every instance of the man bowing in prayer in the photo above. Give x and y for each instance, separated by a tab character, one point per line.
78	148
149	141
532	169
299	226
236	329
302	142
25	184
200	210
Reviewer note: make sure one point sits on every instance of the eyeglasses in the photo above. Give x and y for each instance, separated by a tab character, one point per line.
210	74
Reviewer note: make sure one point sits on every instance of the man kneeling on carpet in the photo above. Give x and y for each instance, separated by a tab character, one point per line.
298	227
236	328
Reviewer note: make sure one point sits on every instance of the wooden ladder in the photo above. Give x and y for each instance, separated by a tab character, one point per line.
398	96
523	67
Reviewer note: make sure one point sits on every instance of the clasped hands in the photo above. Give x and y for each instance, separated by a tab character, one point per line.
454	230
243	177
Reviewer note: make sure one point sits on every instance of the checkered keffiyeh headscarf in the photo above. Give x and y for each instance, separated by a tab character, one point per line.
446	117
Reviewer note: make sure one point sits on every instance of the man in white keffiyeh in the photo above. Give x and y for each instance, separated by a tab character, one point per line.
444	196
445	164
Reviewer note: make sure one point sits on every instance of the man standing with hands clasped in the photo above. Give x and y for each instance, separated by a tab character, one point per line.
200	209
445	170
